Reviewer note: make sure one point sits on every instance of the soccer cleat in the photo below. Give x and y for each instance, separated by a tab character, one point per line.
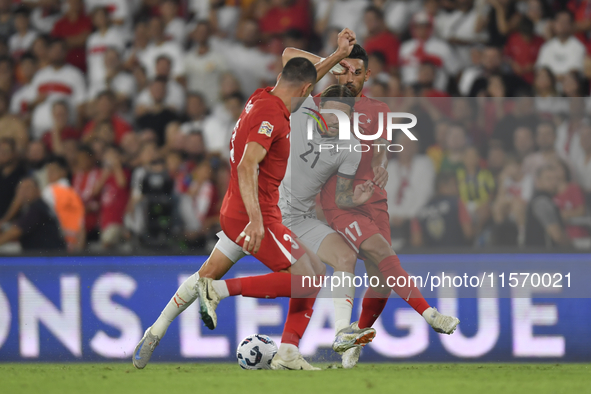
441	323
296	364
143	351
208	302
352	336
351	357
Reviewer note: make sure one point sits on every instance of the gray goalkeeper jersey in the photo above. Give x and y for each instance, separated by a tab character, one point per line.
312	162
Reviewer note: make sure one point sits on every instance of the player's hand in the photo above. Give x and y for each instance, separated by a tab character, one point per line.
345	41
380	176
362	193
253	234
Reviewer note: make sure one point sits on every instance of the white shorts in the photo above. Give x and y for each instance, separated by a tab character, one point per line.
229	248
308	229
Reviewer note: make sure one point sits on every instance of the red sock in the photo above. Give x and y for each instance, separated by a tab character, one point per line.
371	308
390	267
298	317
275	284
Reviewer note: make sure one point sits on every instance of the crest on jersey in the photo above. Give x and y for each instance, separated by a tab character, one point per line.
266	128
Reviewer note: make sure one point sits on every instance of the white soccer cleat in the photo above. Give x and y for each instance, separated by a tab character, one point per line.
144	349
297	363
352	336
441	323
351	357
208	302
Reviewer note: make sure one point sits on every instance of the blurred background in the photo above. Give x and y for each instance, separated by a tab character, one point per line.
118	113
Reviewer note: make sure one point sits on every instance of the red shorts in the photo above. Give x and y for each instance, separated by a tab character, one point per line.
358	225
279	247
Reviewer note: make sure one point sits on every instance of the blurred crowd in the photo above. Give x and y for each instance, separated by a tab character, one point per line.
116	115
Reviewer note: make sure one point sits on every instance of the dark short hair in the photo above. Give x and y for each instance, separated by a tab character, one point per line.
58	161
28	56
86	149
22	10
164	57
339	93
377	11
359	53
106	94
299	70
235	95
444	178
58	40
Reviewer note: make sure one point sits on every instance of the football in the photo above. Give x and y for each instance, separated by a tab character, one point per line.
256	352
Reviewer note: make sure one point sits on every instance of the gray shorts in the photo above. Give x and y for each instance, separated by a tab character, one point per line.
308	229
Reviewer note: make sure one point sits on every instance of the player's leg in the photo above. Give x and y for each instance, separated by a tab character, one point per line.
379	252
222	258
334	251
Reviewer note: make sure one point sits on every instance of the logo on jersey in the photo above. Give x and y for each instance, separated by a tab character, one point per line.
266	128
322	126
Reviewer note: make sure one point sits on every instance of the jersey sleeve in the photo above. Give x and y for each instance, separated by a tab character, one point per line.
264	126
349	166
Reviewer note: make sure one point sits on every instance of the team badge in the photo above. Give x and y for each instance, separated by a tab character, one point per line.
266	128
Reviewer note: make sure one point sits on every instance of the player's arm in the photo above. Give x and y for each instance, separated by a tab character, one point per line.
345	42
346	197
248	181
379	163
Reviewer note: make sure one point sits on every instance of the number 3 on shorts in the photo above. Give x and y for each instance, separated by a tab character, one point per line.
349	233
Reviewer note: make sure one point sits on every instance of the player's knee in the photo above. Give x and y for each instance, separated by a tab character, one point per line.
377	251
346	261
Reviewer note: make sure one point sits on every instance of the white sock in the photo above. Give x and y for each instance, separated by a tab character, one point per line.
288	352
428	315
221	288
184	296
343	297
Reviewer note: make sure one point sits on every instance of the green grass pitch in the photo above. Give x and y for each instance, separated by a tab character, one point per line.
115	378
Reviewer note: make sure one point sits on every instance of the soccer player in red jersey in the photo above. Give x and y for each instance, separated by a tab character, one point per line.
250	217
367	227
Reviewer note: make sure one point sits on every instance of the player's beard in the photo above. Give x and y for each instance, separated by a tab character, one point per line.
353	89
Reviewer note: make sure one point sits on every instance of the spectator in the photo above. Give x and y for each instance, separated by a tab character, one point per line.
11	173
545	154
37	229
105	110
6	74
104	37
492	65
250	65
543	223
217	130
40	50
545	91
74	28
444	221
570	200
535	13
567	134
476	187
522	49
139	45
503	19
523	142
65	203
196	113
119	10
379	38
175	94
6	20
462	27
113	187
521	114
58	81
84	180
158	47
135	213
174	27
61	130
425	48
455	146
285	15
45	15
581	162
204	66
119	81
157	116
336	14
509	207
27	67
564	52
22	40
410	186
11	126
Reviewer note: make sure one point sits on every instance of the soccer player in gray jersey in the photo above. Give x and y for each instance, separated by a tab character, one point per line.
309	167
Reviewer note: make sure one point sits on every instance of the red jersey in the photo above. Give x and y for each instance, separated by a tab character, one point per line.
368	124
64	28
120	127
114	200
264	120
84	183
